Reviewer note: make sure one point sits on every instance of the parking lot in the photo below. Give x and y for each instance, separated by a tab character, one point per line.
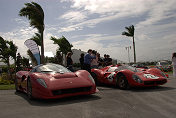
110	102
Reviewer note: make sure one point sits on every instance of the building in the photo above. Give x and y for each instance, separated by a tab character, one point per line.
76	55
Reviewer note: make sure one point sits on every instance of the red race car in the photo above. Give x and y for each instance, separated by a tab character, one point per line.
54	81
125	76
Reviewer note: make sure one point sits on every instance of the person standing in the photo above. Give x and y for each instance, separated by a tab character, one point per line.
100	61
174	64
94	62
109	60
19	62
81	60
105	60
69	61
87	60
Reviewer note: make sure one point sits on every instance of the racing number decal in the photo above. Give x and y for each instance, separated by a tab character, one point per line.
111	76
150	76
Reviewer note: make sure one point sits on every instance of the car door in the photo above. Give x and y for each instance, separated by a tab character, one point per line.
109	77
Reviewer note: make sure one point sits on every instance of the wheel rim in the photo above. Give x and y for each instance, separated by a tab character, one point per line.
122	83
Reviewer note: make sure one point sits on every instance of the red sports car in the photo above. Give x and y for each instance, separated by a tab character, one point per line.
54	81
125	76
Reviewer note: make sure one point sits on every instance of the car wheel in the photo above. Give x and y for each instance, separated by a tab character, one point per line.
122	82
95	78
29	88
16	85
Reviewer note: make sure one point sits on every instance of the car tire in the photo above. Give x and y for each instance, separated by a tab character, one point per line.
122	82
95	78
16	85
29	89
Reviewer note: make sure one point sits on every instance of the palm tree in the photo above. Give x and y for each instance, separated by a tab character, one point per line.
64	45
13	51
35	14
5	53
130	33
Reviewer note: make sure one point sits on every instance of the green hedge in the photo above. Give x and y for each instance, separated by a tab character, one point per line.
6	80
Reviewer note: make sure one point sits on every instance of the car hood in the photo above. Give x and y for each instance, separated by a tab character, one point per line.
65	75
67	80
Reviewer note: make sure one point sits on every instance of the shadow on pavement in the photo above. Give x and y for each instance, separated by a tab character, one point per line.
60	101
151	89
136	89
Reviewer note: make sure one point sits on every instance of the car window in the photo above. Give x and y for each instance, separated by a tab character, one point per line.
164	63
112	69
52	68
123	67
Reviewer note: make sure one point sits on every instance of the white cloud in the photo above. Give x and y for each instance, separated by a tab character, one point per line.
159	11
74	16
155	10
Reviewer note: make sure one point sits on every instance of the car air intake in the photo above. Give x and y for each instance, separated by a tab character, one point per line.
71	90
155	82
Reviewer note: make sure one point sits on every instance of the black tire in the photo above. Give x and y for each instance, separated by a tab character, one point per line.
16	85
122	82
95	78
29	89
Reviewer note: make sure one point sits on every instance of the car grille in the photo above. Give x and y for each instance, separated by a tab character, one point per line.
71	90
155	82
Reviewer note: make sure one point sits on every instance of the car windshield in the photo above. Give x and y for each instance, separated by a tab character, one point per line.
123	67
164	63
112	69
48	68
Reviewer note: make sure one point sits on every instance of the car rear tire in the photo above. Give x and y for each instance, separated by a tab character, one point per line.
16	85
95	78
29	89
122	82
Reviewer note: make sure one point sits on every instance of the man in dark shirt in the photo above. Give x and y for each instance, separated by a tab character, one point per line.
81	60
69	61
109	60
87	60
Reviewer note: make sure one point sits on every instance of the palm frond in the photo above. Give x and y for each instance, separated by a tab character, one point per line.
37	39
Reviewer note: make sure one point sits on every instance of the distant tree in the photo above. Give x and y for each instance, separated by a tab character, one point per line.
130	33
58	57
37	39
35	14
25	62
64	45
7	50
13	51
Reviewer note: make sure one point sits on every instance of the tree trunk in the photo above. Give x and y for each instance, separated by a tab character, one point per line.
15	67
9	72
134	50
42	49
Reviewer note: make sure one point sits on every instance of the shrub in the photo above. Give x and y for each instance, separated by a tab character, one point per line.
5	82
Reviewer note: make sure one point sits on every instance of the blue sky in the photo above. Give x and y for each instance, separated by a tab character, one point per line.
98	24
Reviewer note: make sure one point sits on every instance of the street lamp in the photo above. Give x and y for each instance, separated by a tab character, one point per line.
128	48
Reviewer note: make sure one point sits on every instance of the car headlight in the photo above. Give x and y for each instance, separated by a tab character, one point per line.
91	78
137	78
151	76
42	82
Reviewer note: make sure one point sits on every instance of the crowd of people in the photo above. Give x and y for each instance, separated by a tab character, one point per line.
89	60
92	60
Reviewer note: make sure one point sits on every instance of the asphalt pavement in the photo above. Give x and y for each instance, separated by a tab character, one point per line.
110	102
